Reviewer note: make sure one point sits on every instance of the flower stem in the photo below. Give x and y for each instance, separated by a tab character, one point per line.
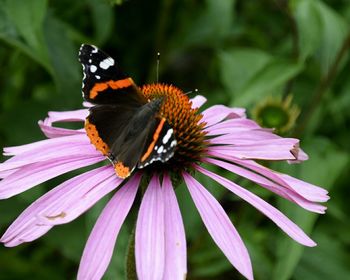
322	88
130	258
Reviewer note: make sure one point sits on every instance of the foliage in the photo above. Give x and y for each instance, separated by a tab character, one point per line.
235	52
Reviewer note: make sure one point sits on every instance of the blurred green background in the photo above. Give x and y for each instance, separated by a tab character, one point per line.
240	53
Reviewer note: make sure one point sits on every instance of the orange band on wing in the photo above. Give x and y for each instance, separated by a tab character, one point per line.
121	170
155	138
112	84
95	139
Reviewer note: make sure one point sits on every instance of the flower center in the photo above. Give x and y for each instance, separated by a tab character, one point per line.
185	120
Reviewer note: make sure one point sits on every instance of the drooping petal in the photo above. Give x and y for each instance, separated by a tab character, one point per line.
217	113
306	190
220	227
36	173
149	238
268	210
67	116
271	186
74	192
53	132
100	245
175	239
198	101
300	157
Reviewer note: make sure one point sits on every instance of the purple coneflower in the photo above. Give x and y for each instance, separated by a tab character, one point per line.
218	136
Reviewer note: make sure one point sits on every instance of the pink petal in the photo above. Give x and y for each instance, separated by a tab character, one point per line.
300	157
273	149
175	239
71	208
244	137
53	132
67	116
29	225
220	227
73	146
310	191
268	210
271	186
6	173
34	174
233	126
198	101
217	113
17	150
100	245
87	104
306	190
149	239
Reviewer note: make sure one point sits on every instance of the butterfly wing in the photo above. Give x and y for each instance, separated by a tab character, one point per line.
122	124
161	146
104	82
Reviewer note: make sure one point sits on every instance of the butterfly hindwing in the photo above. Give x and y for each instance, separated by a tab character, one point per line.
162	145
104	82
107	122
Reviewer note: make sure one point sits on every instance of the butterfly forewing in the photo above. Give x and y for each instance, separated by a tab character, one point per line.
104	82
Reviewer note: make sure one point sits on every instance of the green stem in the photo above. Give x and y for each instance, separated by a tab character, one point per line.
322	88
130	258
284	7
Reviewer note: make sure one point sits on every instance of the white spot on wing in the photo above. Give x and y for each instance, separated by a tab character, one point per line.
167	135
105	64
160	150
93	68
95	49
98	77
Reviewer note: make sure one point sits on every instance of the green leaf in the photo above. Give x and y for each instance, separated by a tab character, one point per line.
329	260
335	30
21	26
220	16
323	168
322	31
28	17
64	59
238	66
266	81
309	26
102	15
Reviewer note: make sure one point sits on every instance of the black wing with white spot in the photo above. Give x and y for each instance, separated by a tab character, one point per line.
104	82
162	147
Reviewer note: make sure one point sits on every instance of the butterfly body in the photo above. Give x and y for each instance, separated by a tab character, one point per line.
122	124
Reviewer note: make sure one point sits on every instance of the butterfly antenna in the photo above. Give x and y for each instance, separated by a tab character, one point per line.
191	91
158	62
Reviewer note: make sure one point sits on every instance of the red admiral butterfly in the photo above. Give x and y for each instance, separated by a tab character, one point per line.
122	124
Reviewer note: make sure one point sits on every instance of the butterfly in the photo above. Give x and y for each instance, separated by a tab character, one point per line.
122	124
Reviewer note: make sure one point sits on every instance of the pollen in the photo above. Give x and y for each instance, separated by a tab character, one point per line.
185	120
